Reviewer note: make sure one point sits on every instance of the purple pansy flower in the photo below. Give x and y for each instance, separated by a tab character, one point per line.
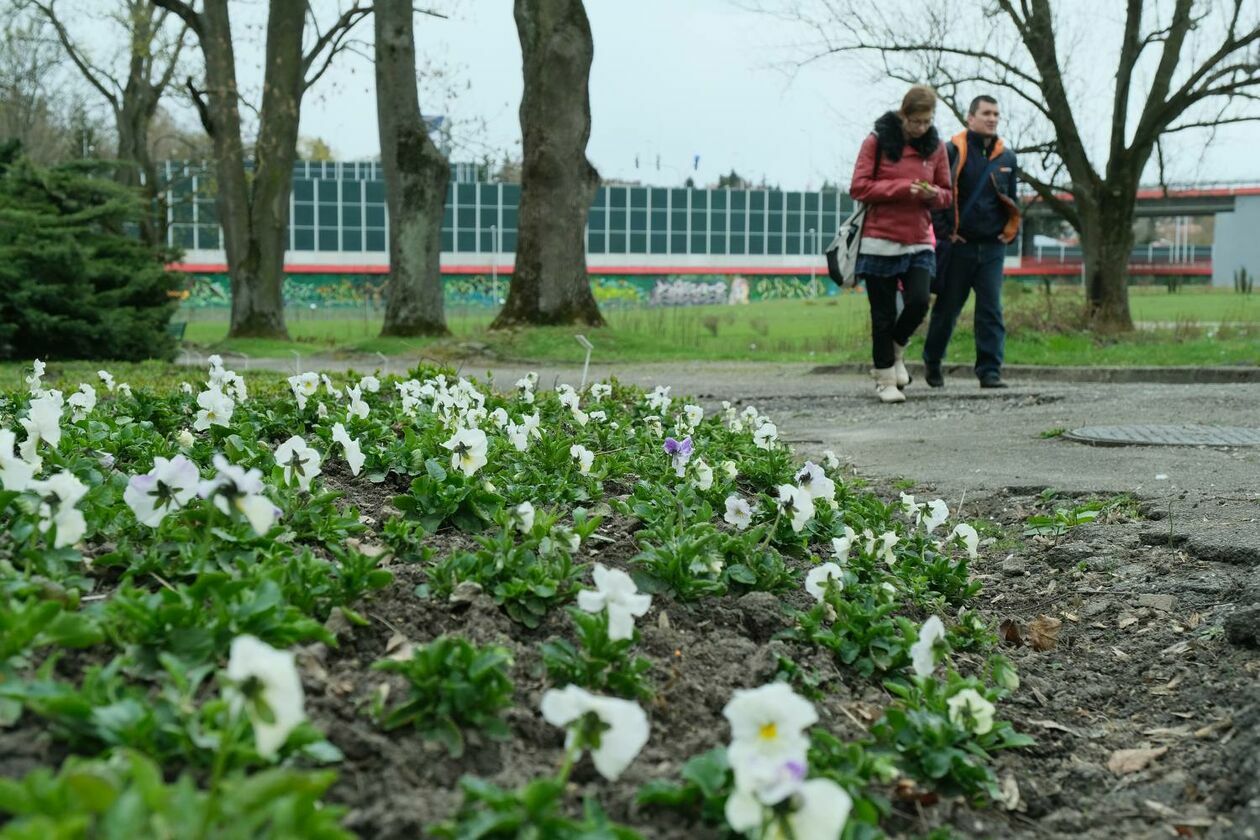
680	452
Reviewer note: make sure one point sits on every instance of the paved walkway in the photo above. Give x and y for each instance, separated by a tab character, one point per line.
958	437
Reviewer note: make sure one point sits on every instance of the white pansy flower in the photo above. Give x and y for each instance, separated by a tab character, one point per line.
583	456
42	423
842	545
796	503
82	402
830	460
694	415
568	397
738	512
616	592
525	387
234	386
817	577
814	481
767	724
499	417
599	390
659	400
819	810
883	548
923	651
969	536
765	435
236	491
185	438
300	462
33	382
353	451
164	489
216	409
333	390
304	386
357	408
267	687
532	424
186	388
937	513
107	378
625	732
703	475
730	470
518	436
968	709
468	450
523	517
15	473
370	384
913	510
59	495
598	416
123	388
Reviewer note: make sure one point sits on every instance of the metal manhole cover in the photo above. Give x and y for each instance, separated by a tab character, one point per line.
1193	435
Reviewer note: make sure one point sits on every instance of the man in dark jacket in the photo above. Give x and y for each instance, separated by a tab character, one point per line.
971	237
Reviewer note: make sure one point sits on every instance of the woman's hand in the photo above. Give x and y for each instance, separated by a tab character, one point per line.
924	190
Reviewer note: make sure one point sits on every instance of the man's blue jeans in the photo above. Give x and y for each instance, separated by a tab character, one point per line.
971	266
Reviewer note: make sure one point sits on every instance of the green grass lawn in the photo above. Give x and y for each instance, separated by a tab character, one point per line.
836	329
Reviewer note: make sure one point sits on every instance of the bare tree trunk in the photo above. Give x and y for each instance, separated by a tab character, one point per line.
416	177
255	215
550	284
1107	242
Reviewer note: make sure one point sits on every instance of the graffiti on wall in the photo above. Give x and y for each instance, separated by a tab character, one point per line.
332	291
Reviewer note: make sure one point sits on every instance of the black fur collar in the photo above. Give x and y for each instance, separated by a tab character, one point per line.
892	138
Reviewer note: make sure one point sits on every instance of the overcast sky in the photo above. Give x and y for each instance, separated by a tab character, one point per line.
673	79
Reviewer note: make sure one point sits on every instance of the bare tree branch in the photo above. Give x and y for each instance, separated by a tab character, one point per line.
186	13
94	75
331	40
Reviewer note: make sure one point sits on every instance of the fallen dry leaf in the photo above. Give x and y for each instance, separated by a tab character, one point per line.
1043	632
1054	724
1009	631
1213	728
1123	762
399	648
1128	621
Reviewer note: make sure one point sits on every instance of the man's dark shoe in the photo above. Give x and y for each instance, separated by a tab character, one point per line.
934	376
992	380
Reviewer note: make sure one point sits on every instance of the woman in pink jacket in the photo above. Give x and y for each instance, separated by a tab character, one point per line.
902	175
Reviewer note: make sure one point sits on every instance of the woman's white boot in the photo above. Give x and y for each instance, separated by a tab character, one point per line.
886	385
899	365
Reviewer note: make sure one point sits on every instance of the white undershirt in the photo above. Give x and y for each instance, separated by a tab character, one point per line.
888	248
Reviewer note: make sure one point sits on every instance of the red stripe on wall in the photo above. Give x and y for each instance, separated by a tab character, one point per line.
1045	268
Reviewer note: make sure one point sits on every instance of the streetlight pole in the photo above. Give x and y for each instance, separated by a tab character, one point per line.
813	254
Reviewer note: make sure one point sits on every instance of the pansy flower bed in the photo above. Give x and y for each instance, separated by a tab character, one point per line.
423	606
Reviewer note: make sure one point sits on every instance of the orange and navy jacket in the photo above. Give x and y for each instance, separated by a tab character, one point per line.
1002	177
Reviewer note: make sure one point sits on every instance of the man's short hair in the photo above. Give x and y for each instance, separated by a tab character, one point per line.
975	103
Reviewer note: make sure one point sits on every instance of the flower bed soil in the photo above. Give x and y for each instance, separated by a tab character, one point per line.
1123	676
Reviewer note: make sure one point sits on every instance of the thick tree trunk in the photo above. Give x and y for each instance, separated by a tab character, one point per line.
416	177
132	123
550	284
254	212
1107	242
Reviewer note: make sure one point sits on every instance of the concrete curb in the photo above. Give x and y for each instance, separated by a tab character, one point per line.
1015	374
